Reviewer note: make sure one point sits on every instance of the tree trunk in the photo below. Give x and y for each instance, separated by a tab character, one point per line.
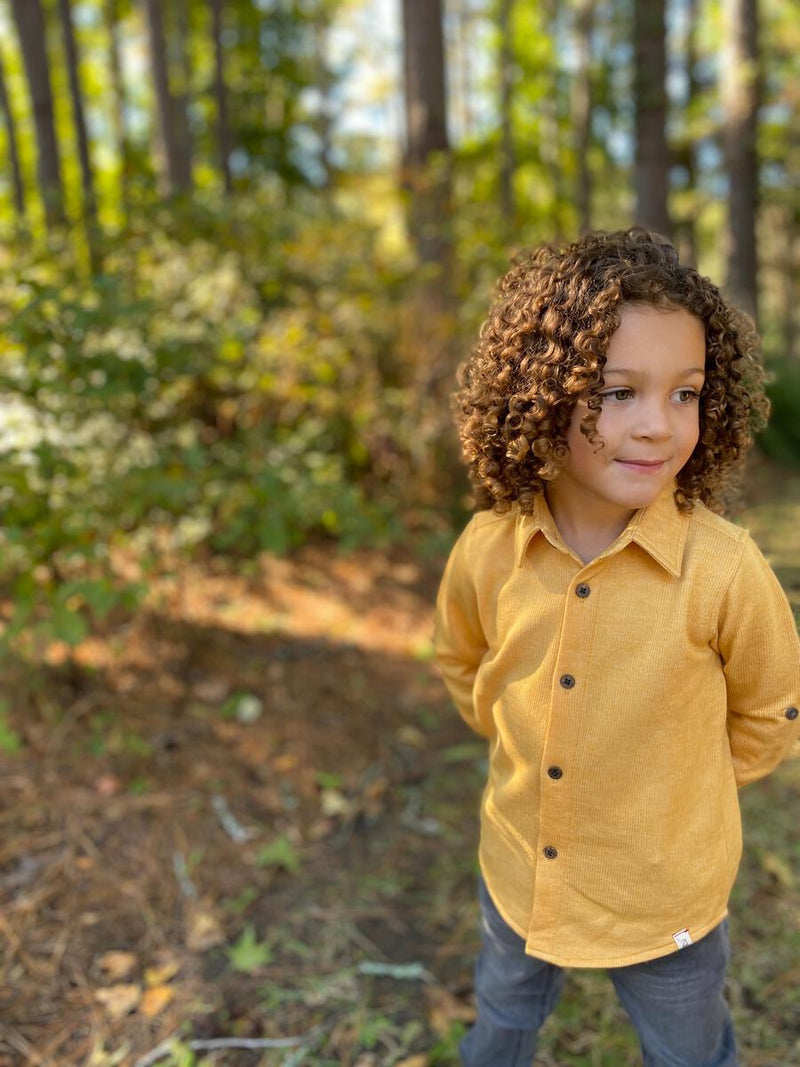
465	51
220	95
11	140
508	164
582	111
651	167
741	91
79	118
690	155
118	110
426	162
551	149
174	168
428	331
790	272
29	20
182	96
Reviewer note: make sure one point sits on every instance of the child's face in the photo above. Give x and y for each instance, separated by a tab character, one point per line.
649	421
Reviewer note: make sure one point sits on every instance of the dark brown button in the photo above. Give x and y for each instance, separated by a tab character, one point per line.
582	590
792	713
554	772
550	852
567	681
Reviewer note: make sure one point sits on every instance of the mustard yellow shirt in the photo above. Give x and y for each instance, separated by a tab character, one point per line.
624	700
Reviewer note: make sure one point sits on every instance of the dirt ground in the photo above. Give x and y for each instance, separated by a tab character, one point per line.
242	764
248	813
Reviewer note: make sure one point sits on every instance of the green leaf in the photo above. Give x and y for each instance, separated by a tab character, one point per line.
69	626
248	954
280	853
10	741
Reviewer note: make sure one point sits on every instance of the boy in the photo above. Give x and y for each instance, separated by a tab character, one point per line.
628	654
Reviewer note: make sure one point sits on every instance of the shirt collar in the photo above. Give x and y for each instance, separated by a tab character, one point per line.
660	529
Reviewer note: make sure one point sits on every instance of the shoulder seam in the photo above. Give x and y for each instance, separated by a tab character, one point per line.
725	527
491	517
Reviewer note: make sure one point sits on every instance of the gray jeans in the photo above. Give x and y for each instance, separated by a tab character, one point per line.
675	1002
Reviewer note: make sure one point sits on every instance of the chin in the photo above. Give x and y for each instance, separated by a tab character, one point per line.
641	499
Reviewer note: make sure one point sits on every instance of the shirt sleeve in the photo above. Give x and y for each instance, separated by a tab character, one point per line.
760	651
459	639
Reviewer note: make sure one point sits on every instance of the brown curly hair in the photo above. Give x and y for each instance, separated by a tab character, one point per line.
543	346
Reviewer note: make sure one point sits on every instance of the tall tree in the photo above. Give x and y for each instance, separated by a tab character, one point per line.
182	83
651	165
11	141
741	91
30	23
79	118
507	153
426	160
176	170
221	97
119	110
551	150
686	151
582	111
463	72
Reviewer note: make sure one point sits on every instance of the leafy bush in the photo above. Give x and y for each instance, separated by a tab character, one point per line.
229	382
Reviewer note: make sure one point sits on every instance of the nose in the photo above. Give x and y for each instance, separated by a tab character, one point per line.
653	422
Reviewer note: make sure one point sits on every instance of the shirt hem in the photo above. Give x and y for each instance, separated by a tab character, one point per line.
698	932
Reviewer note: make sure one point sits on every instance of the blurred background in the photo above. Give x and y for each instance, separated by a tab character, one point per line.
245	245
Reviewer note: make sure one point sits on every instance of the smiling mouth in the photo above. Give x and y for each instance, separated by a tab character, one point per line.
643	465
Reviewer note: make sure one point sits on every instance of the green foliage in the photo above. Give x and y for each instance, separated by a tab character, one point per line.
279	853
781	438
222	386
10	741
248	954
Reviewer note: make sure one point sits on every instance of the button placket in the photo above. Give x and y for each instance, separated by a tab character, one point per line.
557	795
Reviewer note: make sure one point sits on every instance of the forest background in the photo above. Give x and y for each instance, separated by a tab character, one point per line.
245	244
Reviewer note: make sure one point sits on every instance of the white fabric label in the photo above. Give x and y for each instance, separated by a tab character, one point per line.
683	938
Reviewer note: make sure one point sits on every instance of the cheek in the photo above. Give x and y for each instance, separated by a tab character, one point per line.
690	435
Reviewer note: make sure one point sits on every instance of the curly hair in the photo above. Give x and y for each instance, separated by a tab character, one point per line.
543	346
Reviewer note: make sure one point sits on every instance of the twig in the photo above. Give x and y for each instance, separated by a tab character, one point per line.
8	1036
230	824
209	1045
187	886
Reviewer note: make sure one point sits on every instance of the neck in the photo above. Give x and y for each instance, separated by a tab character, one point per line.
587	530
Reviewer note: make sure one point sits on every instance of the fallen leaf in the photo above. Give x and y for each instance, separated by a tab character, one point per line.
332	802
107	785
155	976
203	930
155	1000
119	1000
212	690
287	762
321	828
116	965
420	1060
778	868
410	735
255	750
445	1009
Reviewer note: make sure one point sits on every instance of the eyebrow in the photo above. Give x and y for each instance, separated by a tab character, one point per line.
636	374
